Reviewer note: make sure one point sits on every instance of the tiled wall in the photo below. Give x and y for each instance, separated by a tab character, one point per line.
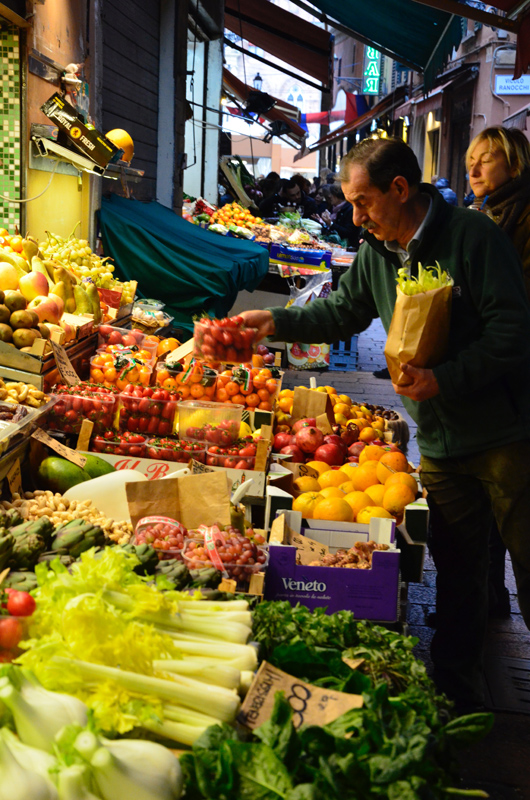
9	127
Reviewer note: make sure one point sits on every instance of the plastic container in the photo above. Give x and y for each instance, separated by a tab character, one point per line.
196	556
256	387
118	446
118	371
69	411
197	381
227	459
213	423
107	493
165	449
11	433
165	534
149	304
110	334
146	356
146	415
227	344
150	321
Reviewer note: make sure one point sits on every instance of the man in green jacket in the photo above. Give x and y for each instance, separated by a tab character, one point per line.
472	410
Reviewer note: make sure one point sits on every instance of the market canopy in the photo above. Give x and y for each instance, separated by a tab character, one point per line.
190	269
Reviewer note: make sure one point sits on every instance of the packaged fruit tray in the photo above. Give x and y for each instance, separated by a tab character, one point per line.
233	554
74	404
147	409
195	381
180	450
119	444
165	534
216	423
223	340
110	334
242	455
138	353
119	370
252	387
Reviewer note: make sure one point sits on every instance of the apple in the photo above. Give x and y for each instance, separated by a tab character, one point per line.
59	301
331	453
69	330
33	284
46	309
304	423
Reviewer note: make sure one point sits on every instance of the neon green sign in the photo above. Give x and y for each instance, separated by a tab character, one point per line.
371	70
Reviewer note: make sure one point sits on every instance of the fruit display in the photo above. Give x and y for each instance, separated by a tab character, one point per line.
112	335
146	409
252	387
166	535
22	393
194	381
20	321
119	370
76	403
120	444
225	340
181	450
232	553
234	214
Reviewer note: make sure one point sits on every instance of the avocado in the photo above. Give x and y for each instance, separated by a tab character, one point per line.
97	466
59	474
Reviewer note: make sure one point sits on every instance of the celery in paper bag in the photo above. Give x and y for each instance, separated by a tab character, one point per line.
419	329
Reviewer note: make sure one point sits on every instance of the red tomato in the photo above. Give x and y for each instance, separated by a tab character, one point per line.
10	632
20	604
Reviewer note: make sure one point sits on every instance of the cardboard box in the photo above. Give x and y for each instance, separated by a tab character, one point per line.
370	593
287	254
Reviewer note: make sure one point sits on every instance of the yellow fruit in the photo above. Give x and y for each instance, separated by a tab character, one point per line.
377	492
392	461
368	434
378	423
341	419
330	389
350	470
331	491
334	508
347	487
344	398
286	393
361	422
372	452
320	466
333	477
357	501
396	497
341	408
305	503
306	483
403	477
122	139
365	475
365	515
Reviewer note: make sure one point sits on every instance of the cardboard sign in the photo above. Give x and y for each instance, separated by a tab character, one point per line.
310	403
311	705
64	365
307	550
14	478
61	449
83	440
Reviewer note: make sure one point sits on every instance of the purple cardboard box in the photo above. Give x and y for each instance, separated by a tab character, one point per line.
369	593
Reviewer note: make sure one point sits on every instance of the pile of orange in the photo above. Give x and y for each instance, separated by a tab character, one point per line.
235	214
255	388
198	382
103	369
11	242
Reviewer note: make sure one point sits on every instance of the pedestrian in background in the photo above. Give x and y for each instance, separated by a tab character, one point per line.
442	184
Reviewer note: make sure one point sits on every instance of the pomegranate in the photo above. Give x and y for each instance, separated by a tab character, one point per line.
307	422
333	438
356	449
308	439
282	440
331	453
350	434
353	459
296	454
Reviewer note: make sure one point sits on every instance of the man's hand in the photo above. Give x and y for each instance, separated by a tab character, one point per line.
262	320
423	384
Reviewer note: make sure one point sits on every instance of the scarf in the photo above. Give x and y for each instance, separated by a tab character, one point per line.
507	203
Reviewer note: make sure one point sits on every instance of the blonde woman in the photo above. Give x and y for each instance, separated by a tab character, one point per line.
498	163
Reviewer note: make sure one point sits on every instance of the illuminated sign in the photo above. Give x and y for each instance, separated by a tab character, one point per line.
371	70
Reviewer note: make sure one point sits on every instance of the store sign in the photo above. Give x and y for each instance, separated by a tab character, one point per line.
505	84
371	70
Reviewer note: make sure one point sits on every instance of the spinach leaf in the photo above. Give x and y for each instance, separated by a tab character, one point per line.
279	733
260	773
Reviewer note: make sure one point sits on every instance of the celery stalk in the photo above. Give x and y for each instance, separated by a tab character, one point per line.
215	674
180	732
245	654
213	605
189	717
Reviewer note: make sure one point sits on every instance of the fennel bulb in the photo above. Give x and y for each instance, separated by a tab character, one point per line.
29	757
72	784
136	768
18	783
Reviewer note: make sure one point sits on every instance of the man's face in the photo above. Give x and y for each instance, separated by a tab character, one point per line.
293	194
378	212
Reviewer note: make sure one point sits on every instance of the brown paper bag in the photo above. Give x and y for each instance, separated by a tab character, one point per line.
308	403
192	499
419	331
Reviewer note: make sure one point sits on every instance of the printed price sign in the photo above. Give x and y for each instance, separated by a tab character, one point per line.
61	449
311	705
14	477
64	365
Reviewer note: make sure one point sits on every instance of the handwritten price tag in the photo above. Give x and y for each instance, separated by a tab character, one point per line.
311	704
14	477
61	449
64	365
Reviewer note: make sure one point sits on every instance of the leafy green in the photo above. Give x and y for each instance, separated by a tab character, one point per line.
428	278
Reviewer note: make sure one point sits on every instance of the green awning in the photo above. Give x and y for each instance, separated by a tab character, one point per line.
415	34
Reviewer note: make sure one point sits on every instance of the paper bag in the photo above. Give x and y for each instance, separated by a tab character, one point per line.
312	404
192	499
419	331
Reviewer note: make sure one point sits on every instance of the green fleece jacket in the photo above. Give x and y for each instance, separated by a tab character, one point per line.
484	398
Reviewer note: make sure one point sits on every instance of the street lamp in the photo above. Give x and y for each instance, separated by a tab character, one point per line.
258	82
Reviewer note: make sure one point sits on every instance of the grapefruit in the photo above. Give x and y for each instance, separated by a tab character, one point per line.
334	477
305	503
396	497
365	515
358	501
333	508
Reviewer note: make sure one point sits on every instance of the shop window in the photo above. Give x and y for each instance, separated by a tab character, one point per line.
10	152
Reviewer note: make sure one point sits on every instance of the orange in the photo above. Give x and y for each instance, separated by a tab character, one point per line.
365	515
305	503
96	375
169	384
368	434
161	376
286	393
341	408
357	501
372	452
110	374
221	395
98	361
331	491
183	389
305	483
239	399
341	419
332	477
403	477
377	492
232	388
257	360
361	422
320	466
347	487
271	385
392	461
397	497
365	475
253	400
263	394
285	404
350	470
378	423
334	508
196	390
265	406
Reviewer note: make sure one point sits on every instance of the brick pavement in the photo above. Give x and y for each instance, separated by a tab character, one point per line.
500	765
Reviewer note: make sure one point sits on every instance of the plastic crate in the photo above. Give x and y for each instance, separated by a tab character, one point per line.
344	356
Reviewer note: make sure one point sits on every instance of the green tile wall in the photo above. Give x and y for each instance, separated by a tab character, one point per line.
9	127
